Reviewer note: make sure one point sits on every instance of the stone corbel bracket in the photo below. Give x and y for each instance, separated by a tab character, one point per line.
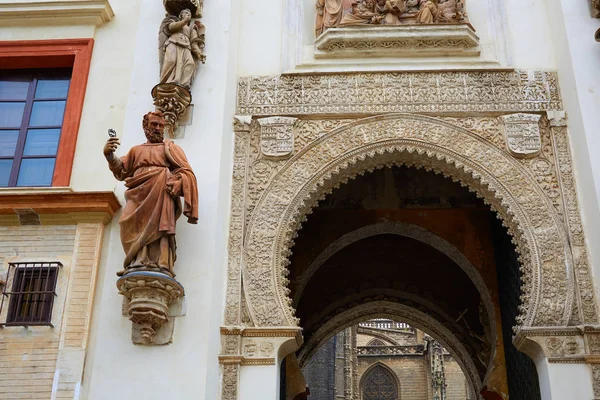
392	41
174	102
150	294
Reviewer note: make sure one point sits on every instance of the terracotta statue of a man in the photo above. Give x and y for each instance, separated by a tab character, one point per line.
156	175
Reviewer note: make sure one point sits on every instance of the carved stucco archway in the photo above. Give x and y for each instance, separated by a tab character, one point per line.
405	139
395	311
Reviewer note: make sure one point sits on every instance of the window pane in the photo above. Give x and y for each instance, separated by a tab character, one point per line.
36	172
14	89
11	114
8	142
41	142
5	166
52	89
47	113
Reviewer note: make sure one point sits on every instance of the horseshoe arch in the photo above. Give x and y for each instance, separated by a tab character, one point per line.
422	142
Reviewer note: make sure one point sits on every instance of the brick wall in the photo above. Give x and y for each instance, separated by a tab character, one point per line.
410	370
47	362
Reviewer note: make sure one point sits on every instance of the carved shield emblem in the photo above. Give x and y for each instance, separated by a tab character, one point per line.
277	136
522	134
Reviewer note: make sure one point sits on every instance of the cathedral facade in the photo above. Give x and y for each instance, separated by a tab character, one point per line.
240	200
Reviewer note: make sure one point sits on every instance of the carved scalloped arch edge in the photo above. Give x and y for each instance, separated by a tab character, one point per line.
464	171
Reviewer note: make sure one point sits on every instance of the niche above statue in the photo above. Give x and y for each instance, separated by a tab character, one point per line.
393	28
180	51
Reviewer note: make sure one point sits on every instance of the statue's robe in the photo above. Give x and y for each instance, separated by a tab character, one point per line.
330	16
428	13
148	218
177	64
359	14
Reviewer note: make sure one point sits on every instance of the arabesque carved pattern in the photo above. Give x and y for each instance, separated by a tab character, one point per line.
389	92
586	292
419	141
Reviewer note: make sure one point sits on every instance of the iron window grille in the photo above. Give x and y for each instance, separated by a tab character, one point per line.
31	294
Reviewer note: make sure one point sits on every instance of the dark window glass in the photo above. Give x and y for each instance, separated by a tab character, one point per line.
52	89
32	293
8	142
31	99
11	114
41	142
14	89
47	113
5	166
36	172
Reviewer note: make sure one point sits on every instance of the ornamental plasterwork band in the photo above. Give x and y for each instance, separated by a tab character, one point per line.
512	150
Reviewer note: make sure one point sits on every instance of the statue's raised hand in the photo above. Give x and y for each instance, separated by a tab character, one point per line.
110	147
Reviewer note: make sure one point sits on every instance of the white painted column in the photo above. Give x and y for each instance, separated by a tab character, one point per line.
564	381
259	382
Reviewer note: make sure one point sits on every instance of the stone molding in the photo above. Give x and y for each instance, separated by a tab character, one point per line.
57	207
390	92
399	40
255	346
564	345
55	12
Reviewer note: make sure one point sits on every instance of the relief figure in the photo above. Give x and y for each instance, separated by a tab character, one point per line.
362	12
329	15
391	9
156	175
428	12
180	48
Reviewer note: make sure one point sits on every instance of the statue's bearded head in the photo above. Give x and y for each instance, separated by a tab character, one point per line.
154	126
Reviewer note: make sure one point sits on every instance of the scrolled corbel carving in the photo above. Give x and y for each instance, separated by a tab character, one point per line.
180	51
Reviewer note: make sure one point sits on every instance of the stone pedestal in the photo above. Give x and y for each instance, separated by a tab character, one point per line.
149	295
173	101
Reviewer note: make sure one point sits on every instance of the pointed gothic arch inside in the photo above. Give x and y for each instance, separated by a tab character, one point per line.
379	383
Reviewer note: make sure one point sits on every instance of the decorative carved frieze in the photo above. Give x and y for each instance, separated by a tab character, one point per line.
389	92
407	40
277	136
522	134
390	350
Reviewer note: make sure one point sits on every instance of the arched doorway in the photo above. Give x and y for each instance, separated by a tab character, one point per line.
283	195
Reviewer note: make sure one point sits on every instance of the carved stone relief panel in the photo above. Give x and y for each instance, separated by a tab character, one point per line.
522	133
277	136
534	195
375	93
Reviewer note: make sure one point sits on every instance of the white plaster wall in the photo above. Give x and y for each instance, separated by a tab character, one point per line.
106	93
578	63
187	368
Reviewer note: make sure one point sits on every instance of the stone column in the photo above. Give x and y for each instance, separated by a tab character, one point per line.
251	360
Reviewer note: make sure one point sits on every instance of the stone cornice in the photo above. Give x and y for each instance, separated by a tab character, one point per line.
55	12
447	92
56	207
403	40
